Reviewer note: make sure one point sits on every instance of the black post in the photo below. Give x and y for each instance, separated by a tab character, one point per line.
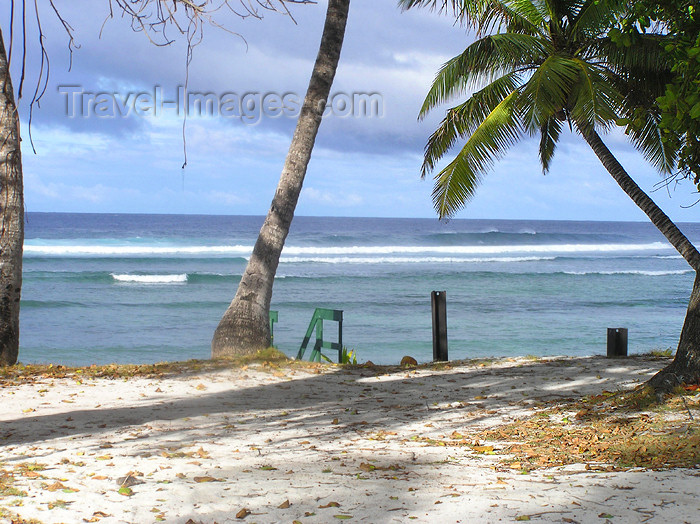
617	342
438	301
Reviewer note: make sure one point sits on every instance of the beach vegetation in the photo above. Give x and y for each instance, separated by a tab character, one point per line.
661	353
538	69
244	327
347	357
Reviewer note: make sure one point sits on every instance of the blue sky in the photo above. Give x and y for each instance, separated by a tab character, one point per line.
362	166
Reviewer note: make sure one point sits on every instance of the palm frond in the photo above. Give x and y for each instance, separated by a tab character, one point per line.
595	100
596	17
464	11
516	17
660	150
645	59
455	184
462	120
549	136
489	57
547	91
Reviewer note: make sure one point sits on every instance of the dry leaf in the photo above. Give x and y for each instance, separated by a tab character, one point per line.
330	505
201	453
207	479
201	387
243	513
284	505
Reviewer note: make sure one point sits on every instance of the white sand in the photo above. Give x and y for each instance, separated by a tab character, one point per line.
207	446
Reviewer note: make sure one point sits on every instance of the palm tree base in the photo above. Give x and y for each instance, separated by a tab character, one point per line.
244	330
685	368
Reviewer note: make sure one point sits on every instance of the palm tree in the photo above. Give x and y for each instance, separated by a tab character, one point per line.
244	327
11	216
536	66
152	17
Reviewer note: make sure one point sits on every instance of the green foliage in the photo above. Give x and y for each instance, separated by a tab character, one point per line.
346	357
534	67
668	352
680	103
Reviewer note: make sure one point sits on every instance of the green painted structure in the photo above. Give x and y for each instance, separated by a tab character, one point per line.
316	325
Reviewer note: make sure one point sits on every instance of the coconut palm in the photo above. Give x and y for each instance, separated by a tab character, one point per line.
536	67
244	327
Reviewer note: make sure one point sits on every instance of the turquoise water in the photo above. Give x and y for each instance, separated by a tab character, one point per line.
147	288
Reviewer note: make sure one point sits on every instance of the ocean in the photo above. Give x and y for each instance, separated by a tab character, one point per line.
102	288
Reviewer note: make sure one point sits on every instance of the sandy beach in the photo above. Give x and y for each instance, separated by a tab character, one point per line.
309	444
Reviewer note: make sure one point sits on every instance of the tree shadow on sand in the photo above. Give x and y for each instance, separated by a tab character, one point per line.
361	426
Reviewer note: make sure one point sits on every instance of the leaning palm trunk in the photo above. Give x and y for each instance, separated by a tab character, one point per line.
686	365
11	216
244	327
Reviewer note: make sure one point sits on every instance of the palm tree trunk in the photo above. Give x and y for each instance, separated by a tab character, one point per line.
244	327
685	367
646	204
11	216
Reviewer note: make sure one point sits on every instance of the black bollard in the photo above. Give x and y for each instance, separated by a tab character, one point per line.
438	301
617	342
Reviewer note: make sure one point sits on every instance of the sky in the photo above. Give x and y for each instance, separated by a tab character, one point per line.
103	145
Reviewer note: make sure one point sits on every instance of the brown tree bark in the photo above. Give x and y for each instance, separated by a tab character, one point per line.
11	216
685	367
244	327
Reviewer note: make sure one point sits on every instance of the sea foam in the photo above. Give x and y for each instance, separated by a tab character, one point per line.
151	279
245	250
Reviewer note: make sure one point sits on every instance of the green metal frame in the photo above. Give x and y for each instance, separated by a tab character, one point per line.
316	324
274	317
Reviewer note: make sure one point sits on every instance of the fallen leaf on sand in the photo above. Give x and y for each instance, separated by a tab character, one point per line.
330	505
284	505
127	492
207	479
243	513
